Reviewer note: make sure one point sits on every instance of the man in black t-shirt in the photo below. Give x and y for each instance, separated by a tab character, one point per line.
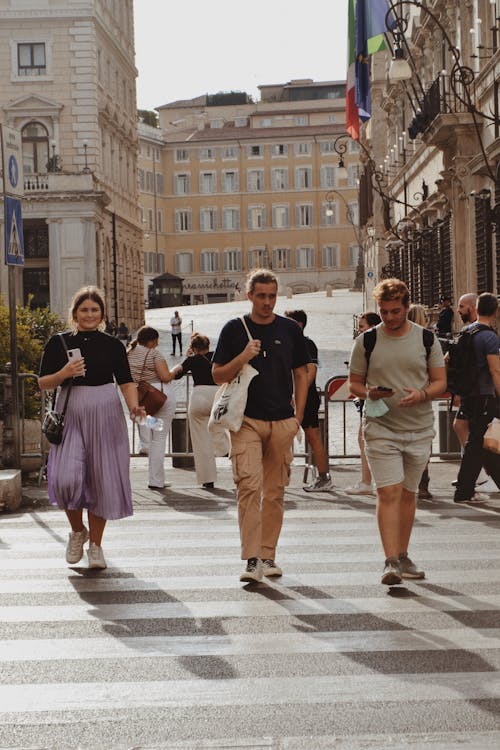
310	422
261	451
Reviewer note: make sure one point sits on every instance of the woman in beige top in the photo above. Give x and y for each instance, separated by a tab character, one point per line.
147	363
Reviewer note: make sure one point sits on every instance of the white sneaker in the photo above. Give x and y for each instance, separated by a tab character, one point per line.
270	568
96	557
74	548
488	486
321	484
253	571
360	488
477	498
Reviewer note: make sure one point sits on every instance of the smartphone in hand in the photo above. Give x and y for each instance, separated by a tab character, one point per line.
74	354
384	389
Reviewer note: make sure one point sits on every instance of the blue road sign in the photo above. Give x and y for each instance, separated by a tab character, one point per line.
14	238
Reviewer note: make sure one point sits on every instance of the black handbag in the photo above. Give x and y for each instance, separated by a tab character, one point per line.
53	422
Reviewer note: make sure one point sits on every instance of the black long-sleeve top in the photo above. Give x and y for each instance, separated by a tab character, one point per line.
105	358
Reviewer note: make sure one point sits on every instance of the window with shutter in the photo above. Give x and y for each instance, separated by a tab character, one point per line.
232	260
304	215
231	218
281	218
330	256
328	177
184	262
305	257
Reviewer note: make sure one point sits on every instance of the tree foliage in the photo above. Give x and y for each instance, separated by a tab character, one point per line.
34	327
149	117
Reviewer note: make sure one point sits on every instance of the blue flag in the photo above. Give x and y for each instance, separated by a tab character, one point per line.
369	30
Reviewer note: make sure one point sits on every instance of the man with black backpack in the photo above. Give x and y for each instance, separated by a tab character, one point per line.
474	374
398	373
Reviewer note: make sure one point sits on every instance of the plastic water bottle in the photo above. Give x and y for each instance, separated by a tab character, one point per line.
154	423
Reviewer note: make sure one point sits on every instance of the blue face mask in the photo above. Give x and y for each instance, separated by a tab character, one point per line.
376	408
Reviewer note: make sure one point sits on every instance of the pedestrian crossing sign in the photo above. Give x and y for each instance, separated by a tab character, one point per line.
14	238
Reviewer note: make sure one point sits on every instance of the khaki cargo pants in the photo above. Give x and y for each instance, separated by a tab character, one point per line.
261	454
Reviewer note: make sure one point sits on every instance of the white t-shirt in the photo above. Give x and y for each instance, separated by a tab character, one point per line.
176	324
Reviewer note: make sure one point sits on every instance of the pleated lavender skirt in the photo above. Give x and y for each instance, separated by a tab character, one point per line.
90	468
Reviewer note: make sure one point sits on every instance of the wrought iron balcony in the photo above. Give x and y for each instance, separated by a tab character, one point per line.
441	98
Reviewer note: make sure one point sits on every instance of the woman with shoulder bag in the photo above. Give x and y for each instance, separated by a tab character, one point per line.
89	468
149	365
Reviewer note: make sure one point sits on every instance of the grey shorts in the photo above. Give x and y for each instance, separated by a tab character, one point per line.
397	457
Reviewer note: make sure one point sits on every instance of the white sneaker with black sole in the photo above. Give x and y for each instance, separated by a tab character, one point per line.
321	484
253	572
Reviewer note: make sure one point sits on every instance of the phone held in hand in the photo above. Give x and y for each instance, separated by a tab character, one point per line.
384	389
74	354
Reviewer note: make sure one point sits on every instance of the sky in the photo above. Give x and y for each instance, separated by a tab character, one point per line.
185	48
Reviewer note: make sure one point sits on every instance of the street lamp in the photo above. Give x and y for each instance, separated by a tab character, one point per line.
492	213
399	69
86	169
340	147
54	163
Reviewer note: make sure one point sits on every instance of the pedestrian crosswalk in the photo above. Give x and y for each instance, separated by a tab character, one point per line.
167	649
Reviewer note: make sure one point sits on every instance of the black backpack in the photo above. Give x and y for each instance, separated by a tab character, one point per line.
462	368
370	339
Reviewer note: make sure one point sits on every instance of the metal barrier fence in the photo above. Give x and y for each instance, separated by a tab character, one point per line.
31	444
339	410
339	421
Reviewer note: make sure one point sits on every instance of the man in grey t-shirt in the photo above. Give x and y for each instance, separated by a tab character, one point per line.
398	379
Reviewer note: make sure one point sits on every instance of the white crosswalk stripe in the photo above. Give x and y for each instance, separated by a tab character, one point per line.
166	647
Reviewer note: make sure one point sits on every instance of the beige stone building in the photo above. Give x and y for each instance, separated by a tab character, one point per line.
68	86
434	140
240	185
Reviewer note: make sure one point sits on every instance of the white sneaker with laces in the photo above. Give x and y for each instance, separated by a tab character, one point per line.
270	569
253	571
321	484
74	548
478	498
96	557
360	488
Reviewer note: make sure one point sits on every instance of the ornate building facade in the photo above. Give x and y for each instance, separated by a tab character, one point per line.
431	183
69	88
237	185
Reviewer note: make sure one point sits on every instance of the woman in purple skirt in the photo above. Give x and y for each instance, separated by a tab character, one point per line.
89	470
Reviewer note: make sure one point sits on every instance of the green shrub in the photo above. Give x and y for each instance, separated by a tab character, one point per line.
34	327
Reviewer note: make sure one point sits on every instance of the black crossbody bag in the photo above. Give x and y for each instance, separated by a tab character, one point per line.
53	423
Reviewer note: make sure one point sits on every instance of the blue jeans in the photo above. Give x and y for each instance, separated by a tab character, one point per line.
480	410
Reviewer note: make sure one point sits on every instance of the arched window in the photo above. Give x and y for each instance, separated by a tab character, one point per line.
35	148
